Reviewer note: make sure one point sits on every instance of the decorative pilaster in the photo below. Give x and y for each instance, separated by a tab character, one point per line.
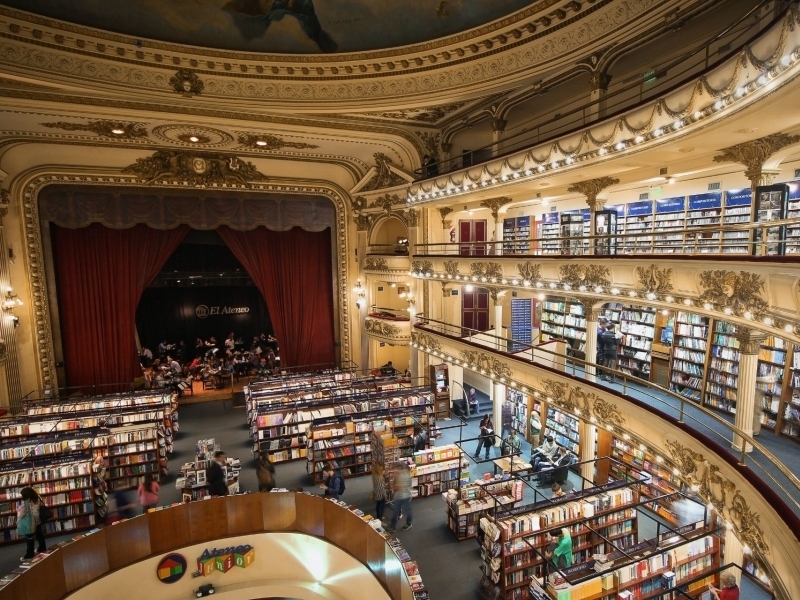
749	345
443	212
592	315
591	188
498	127
754	154
598	83
11	386
494	205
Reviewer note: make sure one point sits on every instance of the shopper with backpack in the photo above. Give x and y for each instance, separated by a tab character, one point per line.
334	482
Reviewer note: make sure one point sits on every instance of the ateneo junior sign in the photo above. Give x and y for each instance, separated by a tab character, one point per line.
224	559
203	311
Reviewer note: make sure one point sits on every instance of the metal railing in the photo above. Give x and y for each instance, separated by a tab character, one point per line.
773	238
705	421
575	113
389	314
388	249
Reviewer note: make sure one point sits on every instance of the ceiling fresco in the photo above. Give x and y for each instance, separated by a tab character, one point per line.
279	26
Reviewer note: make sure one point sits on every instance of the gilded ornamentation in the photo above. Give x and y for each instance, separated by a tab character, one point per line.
755	153
265	141
741	293
587	405
431	142
3	351
186	83
486	362
384	177
750	340
358	204
376	264
192	136
195	168
424	115
103	128
382	328
497	295
494	204
387	202
698	472
654	280
444	211
588	275
529	271
591	188
426	341
422	267
451	268
412	217
363	222
488	270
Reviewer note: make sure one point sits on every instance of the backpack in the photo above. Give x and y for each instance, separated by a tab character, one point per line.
341	483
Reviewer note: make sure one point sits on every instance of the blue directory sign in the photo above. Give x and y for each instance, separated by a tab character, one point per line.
645	207
620	208
521	319
794	190
669	205
705	201
738	198
549	218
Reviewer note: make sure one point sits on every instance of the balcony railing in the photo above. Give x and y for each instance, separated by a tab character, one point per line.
388	249
389	314
574	114
763	463
772	239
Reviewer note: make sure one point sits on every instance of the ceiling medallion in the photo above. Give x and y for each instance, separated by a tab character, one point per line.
192	135
267	141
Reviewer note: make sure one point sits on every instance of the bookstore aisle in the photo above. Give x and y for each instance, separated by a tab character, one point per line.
450	569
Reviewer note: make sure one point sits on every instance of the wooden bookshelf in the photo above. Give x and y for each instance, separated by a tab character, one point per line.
788	418
637	326
437	470
722	376
564	429
520	420
689	355
516	235
467	505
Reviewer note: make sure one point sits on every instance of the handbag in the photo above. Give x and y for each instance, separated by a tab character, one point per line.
25	524
45	513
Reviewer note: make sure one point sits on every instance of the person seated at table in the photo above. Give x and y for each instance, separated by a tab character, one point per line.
174	366
388	369
545	468
511	444
263	367
146	357
239	363
543	452
195	367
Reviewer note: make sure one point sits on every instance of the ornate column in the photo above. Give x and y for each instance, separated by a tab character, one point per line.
592	315
749	344
359	313
446	224
588	435
599	88
499	395
494	205
591	188
498	127
10	383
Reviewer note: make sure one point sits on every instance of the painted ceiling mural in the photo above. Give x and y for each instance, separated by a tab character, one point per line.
279	26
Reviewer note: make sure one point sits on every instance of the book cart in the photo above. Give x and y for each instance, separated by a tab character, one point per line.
193	476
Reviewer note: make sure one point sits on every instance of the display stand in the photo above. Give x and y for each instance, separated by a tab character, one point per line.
440	387
193	477
467	505
438	470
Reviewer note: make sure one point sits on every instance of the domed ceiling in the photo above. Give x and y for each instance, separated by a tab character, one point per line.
280	26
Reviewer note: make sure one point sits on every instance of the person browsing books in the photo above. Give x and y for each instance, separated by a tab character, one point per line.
728	589
485	439
562	553
543	452
217	482
333	482
511	444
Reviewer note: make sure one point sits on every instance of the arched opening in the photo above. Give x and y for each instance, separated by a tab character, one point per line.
390	236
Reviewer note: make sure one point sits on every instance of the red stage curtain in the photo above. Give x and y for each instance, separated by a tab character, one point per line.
292	269
101	274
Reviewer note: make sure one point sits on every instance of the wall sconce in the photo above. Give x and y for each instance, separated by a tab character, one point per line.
11	301
360	293
409	297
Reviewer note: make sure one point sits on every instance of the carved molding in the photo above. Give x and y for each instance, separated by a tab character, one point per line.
425	341
358	204
422	267
431	142
412	217
266	141
587	405
654	280
28	191
199	169
494	204
382	328
376	264
384	177
104	128
739	292
590	276
722	493
530	272
489	271
591	187
363	222
750	340
387	202
444	211
186	83
487	364
755	153
451	268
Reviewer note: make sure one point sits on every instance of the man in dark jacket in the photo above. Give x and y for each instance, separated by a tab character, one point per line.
333	482
217	481
610	341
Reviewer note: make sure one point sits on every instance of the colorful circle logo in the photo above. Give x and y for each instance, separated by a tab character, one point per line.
171	568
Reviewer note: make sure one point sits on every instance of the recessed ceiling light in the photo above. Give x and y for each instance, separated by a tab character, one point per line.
261	143
117	131
194	138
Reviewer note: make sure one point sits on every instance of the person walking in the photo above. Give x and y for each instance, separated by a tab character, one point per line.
379	491
402	497
29	521
217	482
148	492
610	342
265	472
485	439
536	429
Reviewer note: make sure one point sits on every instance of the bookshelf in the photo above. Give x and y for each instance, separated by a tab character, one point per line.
512	534
564	429
705	210
562	319
639	219
467	505
722	377
790	406
347	445
575	328
773	357
658	482
516	235
549	232
437	470
440	387
552	320
132	452
737	210
669	221
637	325
793	211
519	411
192	478
689	355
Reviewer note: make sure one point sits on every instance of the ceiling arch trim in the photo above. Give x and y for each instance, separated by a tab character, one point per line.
24	193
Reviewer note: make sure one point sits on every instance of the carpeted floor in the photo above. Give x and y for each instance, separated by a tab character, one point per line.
450	569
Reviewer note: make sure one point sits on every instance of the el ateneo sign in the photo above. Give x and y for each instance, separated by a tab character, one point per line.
203	312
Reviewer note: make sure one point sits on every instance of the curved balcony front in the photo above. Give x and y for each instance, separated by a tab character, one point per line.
388	325
756	495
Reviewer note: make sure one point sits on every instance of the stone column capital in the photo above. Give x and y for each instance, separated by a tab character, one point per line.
750	340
